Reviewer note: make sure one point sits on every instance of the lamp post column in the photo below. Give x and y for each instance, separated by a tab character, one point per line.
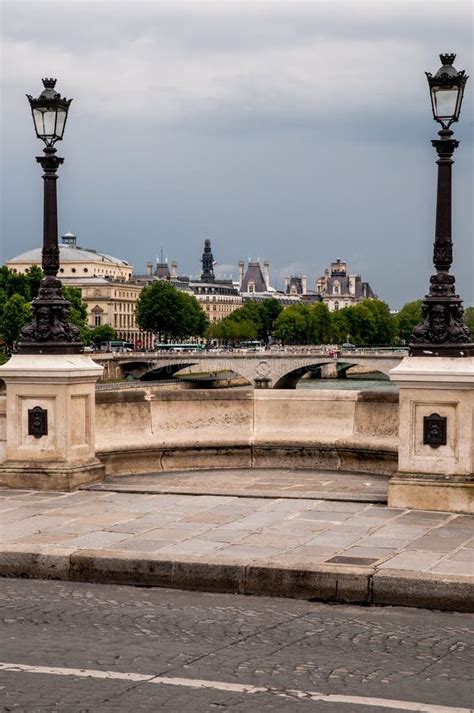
50	331
50	255
436	382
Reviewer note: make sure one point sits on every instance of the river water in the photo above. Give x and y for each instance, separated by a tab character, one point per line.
366	383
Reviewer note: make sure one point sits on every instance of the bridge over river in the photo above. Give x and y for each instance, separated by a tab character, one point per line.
279	370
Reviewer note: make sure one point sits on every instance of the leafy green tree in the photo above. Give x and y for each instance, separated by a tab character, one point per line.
294	325
231	331
102	333
160	310
321	323
25	284
469	319
16	313
170	314
340	326
195	321
384	327
269	310
408	317
78	312
34	275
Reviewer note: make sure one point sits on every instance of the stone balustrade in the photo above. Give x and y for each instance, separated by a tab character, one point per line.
152	429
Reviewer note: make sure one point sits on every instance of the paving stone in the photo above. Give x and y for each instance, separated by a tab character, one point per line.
97	540
171	534
222	534
316	553
336	506
437	543
450	566
257	520
378	552
383	513
98	522
272	540
391	543
140	545
462	555
464	521
324	515
250	552
403	531
295	505
419	561
191	547
213	518
340	539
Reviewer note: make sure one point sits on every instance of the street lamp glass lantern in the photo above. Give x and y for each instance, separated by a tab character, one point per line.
447	90
49	112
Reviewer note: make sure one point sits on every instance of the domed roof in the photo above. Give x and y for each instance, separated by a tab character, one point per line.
69	253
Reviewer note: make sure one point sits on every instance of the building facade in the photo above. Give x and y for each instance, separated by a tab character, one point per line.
339	289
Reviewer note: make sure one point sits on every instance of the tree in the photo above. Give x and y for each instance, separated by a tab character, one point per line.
269	310
408	317
170	314
293	325
469	319
102	333
321	323
384	328
195	321
340	326
232	331
78	312
16	313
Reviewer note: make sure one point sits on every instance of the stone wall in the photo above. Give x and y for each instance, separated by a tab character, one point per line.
150	430
3	427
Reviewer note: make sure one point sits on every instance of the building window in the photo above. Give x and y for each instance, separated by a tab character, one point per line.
97	320
73	269
86	270
336	306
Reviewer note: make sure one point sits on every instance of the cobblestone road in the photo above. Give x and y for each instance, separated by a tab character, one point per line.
396	654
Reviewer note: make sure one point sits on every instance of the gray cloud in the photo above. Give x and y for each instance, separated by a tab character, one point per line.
297	130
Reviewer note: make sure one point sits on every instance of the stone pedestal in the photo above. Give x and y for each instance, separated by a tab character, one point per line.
50	440
436	432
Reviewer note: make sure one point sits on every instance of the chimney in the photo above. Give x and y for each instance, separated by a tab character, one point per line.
266	274
149	268
304	284
241	273
174	268
287	283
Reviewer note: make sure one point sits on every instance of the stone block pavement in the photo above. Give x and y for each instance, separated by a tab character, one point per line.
329	547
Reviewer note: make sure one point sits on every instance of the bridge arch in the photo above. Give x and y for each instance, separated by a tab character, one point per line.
290	379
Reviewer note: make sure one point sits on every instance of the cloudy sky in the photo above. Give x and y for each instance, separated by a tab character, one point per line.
297	132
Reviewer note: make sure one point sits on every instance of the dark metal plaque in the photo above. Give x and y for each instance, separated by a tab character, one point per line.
37	422
341	559
435	430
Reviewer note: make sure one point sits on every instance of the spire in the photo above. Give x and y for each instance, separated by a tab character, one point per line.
207	274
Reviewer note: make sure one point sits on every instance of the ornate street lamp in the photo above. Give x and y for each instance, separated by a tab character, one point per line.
442	331
50	331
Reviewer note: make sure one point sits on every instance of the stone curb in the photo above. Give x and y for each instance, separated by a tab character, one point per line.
325	583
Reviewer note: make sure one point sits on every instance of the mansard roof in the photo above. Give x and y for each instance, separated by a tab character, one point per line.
254	274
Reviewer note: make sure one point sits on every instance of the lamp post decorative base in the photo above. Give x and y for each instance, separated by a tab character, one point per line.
442	331
50	331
